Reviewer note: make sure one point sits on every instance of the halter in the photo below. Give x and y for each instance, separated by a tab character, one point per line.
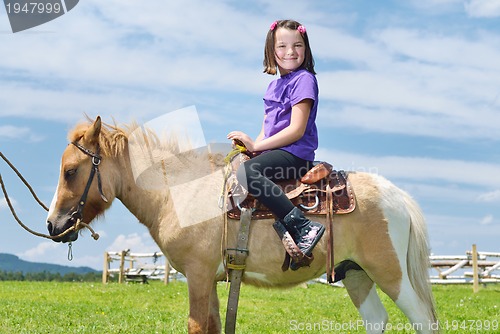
96	161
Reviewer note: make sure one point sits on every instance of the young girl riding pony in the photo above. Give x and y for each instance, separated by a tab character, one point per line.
285	147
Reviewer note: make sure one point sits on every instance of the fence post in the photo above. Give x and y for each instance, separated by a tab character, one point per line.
167	271
105	269
122	264
475	271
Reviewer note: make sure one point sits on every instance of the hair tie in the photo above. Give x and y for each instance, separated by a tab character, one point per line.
301	29
273	25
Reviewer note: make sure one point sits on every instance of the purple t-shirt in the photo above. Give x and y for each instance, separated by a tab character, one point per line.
281	95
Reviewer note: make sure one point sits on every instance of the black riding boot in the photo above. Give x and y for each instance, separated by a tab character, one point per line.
304	232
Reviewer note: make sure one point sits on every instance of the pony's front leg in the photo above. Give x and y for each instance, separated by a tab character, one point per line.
201	304
214	325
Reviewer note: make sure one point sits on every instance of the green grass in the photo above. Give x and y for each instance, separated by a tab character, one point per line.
53	307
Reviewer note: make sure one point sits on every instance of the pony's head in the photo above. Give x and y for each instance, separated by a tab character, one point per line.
83	191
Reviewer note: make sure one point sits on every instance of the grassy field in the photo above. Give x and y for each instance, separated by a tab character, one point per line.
50	307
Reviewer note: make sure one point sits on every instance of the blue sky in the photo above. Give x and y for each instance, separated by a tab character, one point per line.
408	89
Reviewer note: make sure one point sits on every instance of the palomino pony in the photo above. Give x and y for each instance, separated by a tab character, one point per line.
385	235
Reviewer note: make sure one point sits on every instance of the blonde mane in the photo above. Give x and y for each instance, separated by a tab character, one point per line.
114	139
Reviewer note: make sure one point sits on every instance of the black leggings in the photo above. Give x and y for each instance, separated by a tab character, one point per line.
257	176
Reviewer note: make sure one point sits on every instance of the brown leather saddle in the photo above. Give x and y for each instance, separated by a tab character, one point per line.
308	193
321	191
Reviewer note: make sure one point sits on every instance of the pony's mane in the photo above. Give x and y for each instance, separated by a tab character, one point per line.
114	139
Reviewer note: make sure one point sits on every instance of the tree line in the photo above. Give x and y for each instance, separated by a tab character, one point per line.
45	276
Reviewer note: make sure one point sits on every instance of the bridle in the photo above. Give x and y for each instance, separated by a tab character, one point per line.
77	215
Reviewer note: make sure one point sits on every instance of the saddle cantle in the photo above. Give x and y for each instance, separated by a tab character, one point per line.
310	193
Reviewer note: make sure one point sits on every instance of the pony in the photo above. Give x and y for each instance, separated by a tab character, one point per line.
385	235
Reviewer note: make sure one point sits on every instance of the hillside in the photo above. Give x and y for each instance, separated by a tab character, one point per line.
12	263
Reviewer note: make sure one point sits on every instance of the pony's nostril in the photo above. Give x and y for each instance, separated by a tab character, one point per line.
49	227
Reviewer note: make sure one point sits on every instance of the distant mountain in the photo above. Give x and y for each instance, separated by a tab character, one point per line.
12	263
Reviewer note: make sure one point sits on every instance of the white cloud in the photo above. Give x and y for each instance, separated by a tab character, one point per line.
456	234
492	196
124	44
119	58
416	168
439	193
4	205
136	243
57	253
19	133
412	82
41	250
436	4
336	44
482	8
421	45
487	220
13	132
408	122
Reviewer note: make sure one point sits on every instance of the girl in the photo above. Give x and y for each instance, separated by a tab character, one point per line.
288	138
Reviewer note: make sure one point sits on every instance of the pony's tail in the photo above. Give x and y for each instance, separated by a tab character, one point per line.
418	257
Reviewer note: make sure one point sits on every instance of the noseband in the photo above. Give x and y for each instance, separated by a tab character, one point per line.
96	161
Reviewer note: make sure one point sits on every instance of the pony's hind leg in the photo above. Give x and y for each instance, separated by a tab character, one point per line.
364	295
412	294
415	309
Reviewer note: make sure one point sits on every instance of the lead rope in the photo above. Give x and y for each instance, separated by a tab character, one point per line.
70	251
9	204
24	180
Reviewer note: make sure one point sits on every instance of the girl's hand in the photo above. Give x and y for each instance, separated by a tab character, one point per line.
244	138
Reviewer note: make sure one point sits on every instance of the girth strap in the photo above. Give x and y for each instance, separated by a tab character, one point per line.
236	265
330	260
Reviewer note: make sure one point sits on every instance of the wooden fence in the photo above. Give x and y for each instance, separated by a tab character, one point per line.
133	267
474	267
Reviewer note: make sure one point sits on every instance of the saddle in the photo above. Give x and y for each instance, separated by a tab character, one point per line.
321	191
308	193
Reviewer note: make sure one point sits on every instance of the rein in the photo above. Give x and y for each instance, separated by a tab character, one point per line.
78	224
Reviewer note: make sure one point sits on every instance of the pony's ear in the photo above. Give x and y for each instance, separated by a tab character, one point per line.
92	134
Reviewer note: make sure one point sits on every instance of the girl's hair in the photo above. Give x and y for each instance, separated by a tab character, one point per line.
269	53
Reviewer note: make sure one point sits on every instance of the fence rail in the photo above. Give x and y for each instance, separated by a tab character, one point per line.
137	271
471	268
474	267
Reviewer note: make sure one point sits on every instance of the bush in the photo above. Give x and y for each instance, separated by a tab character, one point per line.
45	276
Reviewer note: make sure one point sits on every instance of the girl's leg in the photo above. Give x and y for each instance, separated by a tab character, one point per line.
257	175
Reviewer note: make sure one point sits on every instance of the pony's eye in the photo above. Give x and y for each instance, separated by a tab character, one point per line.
69	173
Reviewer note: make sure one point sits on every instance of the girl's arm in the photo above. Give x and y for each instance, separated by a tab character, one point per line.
293	132
287	136
261	133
